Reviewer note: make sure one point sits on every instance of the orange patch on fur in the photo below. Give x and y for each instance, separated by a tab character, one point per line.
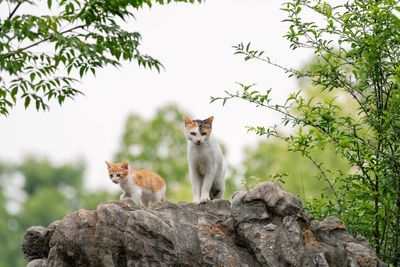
209	120
207	130
143	178
187	120
117	168
148	179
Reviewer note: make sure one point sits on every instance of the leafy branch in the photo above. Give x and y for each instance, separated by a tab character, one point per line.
357	56
13	53
84	36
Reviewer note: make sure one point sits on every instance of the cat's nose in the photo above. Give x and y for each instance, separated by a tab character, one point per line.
198	142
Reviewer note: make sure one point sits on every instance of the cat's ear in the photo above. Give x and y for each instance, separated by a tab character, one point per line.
209	120
125	165
187	120
108	164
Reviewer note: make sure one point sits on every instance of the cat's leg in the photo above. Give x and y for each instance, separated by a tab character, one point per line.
145	202
159	195
137	201
218	187
149	199
136	196
205	189
196	181
124	195
221	190
208	181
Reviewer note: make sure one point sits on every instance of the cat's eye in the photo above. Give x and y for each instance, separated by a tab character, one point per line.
203	134
118	175
194	134
111	175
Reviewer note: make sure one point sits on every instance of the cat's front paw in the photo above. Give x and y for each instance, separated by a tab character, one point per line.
196	201
204	199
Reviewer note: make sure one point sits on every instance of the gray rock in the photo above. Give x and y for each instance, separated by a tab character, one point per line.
270	227
359	255
245	211
321	261
37	263
262	227
35	244
331	223
276	199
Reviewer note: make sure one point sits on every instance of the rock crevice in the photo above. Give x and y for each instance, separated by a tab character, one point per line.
264	226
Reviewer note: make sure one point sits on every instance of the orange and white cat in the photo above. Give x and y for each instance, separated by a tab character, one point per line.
143	186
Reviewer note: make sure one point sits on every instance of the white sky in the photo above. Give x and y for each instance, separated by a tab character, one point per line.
194	44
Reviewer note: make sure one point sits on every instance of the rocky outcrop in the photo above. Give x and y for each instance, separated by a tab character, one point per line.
264	226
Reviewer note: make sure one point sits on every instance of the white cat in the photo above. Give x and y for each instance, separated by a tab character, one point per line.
207	166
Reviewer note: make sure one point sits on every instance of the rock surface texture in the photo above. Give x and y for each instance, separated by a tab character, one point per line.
264	226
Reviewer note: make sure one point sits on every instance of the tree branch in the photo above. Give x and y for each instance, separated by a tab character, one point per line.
15	9
12	53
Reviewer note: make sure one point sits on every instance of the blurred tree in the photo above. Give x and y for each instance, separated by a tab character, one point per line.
271	160
159	144
47	194
40	173
41	54
37	211
90	200
10	254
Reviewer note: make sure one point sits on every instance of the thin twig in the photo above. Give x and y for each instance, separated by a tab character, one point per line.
15	9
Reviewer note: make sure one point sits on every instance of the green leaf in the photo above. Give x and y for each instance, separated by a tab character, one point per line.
82	71
27	101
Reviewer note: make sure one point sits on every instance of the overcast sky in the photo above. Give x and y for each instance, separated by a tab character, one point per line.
194	43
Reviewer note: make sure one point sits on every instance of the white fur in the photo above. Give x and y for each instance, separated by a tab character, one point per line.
139	195
207	167
131	189
150	196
